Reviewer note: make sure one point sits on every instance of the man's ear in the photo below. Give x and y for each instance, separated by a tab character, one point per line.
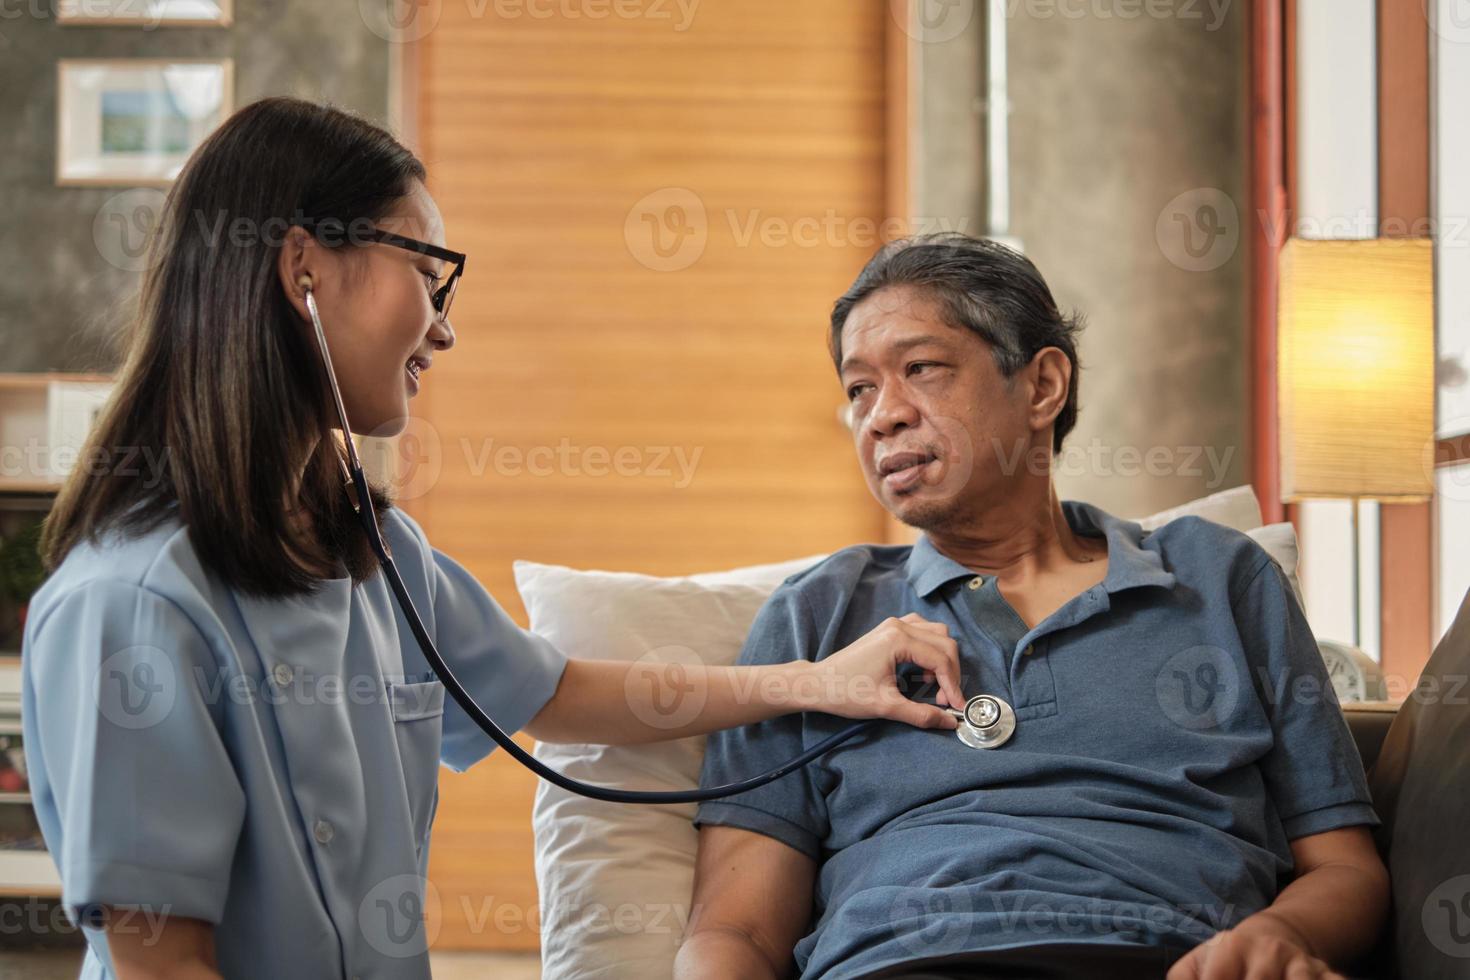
299	260
1050	384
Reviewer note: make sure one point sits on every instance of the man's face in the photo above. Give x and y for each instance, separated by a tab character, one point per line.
933	418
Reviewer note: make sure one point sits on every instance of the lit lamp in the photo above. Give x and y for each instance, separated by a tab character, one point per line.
1355	372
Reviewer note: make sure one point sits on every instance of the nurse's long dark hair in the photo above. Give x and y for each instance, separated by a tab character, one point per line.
220	376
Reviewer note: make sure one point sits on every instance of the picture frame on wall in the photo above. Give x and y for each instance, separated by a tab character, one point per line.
134	121
145	13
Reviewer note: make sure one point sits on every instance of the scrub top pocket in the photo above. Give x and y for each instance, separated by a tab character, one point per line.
418	727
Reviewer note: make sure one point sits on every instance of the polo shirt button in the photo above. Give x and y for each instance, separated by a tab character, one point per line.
323	832
281	673
976	582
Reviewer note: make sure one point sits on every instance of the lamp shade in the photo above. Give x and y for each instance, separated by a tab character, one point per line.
1355	368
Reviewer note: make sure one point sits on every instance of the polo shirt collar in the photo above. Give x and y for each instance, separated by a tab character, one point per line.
1130	565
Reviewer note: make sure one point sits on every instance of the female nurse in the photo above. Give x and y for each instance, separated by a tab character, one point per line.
232	736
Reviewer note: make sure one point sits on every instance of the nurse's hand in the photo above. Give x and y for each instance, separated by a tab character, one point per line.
861	680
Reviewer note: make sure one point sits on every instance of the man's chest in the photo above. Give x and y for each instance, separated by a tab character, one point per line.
1131	701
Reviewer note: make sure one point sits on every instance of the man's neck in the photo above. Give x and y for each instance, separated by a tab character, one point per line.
1024	538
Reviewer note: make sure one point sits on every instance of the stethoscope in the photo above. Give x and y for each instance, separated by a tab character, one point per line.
986	722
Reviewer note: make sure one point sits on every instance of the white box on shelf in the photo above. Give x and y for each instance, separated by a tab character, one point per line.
71	411
44	423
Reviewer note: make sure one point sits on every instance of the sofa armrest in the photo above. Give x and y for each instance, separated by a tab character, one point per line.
1369	722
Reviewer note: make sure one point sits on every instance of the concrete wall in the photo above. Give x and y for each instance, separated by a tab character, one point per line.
64	291
1128	189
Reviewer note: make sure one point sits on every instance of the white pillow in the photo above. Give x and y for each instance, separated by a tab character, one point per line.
615	881
1236	507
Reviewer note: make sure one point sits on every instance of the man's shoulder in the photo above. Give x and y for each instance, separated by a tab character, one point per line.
1196	547
852	565
831	583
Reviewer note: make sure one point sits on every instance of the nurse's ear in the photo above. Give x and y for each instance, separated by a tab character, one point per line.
297	268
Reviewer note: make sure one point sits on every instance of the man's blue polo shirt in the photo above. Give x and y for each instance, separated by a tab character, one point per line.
1175	729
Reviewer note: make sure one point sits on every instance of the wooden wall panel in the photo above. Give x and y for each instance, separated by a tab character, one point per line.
541	135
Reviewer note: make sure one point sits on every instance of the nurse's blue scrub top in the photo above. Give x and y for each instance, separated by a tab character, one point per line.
266	766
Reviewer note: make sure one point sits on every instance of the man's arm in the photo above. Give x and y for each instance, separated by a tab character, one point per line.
752	902
1331	914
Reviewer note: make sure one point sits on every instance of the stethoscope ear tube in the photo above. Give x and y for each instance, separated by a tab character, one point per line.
357	485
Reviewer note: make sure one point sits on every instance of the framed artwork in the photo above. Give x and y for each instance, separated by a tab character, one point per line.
135	121
145	13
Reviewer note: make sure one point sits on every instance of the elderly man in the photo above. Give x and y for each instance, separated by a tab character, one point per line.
1180	793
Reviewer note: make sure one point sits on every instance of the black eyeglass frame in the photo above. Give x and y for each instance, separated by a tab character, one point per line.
440	298
444	295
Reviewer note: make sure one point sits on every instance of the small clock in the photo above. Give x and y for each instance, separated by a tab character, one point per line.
1355	675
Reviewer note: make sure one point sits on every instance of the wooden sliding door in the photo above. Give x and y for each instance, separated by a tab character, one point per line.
660	203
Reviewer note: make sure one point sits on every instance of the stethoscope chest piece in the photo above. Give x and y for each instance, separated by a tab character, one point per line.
986	723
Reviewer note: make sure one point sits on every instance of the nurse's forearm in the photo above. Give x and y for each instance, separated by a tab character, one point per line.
147	946
621	703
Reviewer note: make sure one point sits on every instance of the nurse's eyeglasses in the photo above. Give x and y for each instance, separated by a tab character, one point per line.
441	296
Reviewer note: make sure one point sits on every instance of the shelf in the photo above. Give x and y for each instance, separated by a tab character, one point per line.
15	798
41	488
28	873
40	379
